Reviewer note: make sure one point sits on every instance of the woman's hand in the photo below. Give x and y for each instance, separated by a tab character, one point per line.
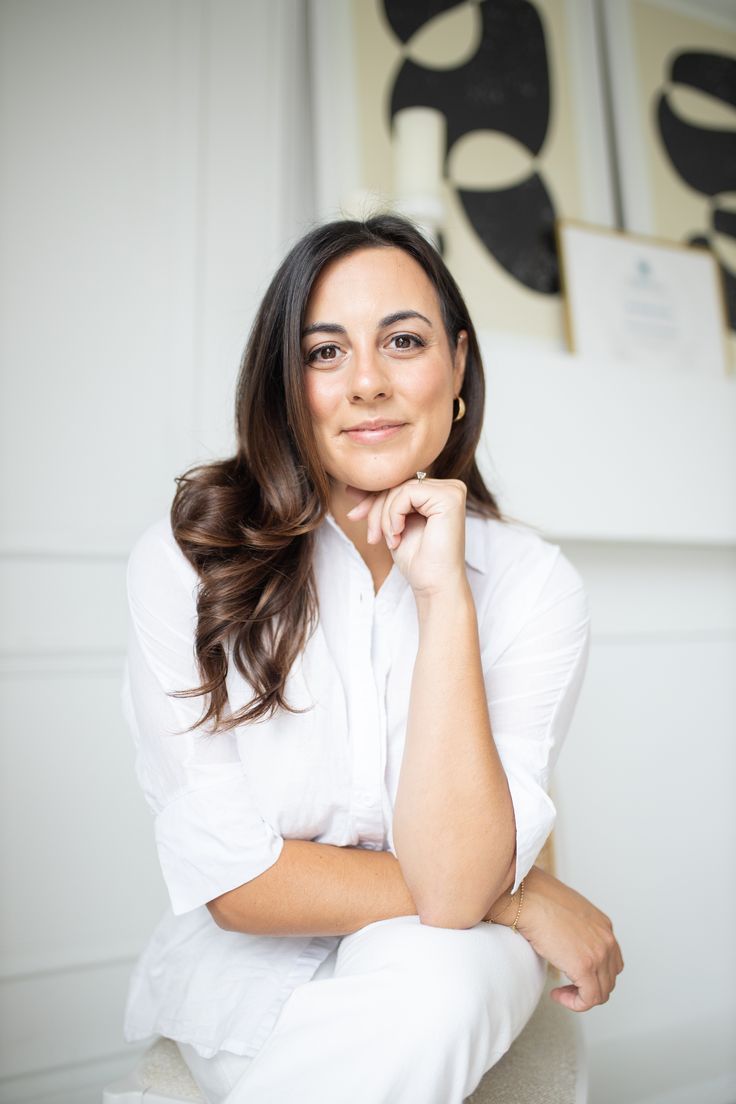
423	523
576	937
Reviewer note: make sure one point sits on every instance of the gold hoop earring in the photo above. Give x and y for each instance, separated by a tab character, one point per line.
460	410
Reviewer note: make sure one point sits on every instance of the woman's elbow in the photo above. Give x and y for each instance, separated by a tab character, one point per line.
458	914
465	911
227	911
218	914
449	917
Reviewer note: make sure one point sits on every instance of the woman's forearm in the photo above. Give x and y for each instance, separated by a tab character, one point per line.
454	829
319	889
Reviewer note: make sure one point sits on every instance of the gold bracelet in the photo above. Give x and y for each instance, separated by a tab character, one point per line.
491	920
521	900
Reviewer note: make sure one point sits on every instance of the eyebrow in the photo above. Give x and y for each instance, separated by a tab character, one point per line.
388	320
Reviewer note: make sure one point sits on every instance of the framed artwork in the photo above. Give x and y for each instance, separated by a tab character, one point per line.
481	118
652	303
672	67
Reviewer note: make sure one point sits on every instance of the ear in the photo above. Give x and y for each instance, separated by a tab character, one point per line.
461	356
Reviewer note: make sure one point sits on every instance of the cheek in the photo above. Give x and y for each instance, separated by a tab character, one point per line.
428	388
321	398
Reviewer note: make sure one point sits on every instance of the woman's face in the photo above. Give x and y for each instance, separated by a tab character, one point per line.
364	363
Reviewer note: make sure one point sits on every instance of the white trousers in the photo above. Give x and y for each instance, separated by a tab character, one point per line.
399	1013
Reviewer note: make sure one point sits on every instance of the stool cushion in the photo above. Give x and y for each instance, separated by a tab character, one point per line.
543	1064
163	1070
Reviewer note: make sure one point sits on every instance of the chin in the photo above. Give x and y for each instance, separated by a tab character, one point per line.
381	477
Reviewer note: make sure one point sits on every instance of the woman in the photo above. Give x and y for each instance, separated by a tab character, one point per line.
349	678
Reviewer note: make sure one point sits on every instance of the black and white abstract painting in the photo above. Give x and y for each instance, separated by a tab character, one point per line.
516	89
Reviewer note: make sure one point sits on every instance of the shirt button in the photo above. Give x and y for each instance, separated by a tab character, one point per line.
366	798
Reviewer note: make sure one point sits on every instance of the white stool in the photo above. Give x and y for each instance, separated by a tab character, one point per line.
544	1065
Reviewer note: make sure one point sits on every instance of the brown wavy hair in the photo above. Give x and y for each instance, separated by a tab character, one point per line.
247	523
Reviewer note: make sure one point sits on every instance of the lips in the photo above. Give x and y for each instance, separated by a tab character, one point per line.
373	425
380	431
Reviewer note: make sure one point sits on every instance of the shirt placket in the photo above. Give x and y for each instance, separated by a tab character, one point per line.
386	634
366	715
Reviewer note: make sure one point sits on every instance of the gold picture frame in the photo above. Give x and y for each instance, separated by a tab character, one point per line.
642	299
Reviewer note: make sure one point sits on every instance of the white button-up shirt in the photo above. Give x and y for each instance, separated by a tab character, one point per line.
223	804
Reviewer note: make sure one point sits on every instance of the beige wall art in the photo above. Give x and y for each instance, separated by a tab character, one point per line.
486	118
673	79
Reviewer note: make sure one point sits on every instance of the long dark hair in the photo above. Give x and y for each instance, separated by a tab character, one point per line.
247	523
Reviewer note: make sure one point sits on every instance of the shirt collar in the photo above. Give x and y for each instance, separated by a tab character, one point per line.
475	540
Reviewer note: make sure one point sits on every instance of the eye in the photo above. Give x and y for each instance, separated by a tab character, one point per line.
314	355
417	341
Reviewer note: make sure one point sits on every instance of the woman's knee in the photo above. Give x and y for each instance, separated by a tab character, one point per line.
456	976
473	988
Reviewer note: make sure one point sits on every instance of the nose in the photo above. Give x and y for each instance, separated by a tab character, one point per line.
369	377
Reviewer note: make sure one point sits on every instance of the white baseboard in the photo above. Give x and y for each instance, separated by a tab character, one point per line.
718	1090
79	1083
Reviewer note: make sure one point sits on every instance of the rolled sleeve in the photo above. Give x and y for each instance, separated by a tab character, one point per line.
209	833
532	689
212	840
535	816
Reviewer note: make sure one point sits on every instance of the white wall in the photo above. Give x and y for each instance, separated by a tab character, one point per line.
647	821
156	166
634	478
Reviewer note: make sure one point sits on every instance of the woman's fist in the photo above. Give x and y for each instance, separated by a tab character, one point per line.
423	524
573	935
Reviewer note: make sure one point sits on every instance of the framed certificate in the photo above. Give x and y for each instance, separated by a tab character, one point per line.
644	300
